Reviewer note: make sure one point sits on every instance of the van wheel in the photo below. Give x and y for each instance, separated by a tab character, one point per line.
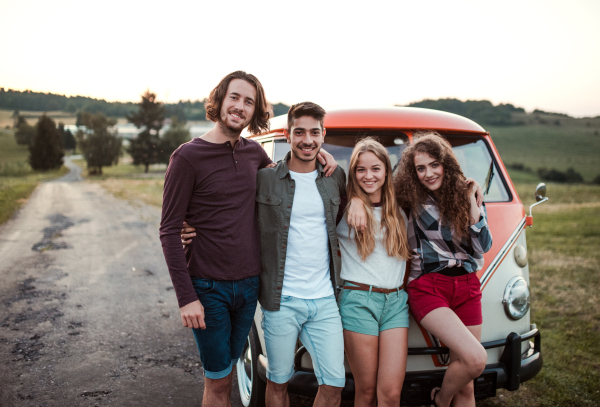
251	386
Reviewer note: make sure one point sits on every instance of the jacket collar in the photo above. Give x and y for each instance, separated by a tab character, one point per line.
283	169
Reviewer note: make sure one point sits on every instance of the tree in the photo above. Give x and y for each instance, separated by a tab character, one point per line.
67	137
176	135
46	150
100	142
145	149
24	134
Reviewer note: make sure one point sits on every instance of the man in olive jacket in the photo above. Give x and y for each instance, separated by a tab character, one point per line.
297	212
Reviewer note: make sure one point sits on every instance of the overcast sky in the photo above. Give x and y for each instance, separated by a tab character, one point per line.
535	54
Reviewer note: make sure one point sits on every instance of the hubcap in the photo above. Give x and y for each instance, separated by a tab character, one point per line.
244	374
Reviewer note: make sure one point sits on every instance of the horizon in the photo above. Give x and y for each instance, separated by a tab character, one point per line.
535	55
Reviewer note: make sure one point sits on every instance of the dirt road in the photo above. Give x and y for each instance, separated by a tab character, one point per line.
88	316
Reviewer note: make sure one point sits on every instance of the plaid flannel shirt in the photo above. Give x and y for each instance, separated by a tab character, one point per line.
435	247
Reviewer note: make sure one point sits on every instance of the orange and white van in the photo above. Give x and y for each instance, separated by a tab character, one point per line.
512	341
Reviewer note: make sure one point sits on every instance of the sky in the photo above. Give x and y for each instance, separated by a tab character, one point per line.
533	54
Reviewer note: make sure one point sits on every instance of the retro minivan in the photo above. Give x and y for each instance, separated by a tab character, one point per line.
512	341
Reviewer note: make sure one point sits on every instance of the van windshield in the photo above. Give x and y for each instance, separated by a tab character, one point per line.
472	153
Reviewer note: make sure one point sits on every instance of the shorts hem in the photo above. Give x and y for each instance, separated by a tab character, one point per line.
425	311
218	375
394	325
331	381
360	330
279	379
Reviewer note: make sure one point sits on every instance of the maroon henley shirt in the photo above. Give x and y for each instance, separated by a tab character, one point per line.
213	187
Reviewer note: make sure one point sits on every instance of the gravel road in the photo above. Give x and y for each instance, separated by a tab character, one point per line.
88	316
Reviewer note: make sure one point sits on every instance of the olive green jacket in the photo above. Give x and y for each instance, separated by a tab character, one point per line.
274	198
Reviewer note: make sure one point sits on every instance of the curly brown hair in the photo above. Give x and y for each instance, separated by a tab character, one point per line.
453	199
262	111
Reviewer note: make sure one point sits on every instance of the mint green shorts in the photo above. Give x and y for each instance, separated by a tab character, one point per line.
370	313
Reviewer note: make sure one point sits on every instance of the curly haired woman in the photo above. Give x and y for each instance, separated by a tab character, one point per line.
448	234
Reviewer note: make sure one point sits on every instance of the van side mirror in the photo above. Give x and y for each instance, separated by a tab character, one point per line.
540	197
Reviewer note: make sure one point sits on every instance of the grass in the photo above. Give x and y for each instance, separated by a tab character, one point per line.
32	117
17	179
129	182
573	143
564	261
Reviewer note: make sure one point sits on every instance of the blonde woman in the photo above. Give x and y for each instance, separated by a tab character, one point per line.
373	303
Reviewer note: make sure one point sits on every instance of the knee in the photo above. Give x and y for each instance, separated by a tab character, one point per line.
218	386
389	396
366	395
277	387
468	390
476	362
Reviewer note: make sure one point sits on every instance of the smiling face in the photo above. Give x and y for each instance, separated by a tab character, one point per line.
238	105
370	175
430	171
305	137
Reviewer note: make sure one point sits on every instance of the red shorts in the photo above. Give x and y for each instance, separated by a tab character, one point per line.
461	294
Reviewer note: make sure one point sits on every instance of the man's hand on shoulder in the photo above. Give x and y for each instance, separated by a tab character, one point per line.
192	315
327	161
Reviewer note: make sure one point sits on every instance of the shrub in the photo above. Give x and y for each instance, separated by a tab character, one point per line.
570	176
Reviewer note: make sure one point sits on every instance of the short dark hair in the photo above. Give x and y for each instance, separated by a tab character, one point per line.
305	109
262	110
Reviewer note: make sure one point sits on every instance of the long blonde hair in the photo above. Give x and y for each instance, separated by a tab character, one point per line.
396	241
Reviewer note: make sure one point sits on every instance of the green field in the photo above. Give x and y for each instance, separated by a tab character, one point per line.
574	143
17	179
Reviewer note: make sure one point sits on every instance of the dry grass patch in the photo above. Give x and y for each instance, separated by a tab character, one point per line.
147	191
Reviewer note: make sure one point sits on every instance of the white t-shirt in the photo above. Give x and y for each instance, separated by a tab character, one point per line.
378	269
307	257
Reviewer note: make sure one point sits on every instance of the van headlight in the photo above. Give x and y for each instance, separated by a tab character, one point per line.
516	298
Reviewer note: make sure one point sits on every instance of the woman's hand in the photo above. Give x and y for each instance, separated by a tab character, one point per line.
328	162
476	191
357	216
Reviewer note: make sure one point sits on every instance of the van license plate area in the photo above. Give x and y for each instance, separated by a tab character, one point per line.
485	385
417	387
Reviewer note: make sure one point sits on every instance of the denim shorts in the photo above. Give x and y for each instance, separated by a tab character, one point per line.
229	307
319	325
370	313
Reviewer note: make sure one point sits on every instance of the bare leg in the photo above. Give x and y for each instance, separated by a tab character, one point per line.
471	357
393	352
277	395
328	396
217	392
466	396
362	351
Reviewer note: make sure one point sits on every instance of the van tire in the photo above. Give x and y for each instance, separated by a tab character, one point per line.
251	387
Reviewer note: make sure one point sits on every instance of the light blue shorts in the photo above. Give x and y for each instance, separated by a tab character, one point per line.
319	325
370	313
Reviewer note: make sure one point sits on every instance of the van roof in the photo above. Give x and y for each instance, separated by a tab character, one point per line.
410	118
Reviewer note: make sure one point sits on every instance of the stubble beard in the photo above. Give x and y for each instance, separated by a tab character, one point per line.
304	159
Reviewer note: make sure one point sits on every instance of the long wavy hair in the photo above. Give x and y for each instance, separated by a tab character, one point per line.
396	240
263	109
453	200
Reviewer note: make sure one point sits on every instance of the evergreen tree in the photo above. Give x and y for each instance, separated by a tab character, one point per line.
100	143
69	142
175	136
145	149
46	150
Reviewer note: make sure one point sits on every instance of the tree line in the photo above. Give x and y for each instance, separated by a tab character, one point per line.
98	140
480	111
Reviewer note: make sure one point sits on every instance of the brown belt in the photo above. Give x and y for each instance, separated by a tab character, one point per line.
365	287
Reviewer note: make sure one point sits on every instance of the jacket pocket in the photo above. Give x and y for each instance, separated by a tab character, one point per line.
335	207
269	213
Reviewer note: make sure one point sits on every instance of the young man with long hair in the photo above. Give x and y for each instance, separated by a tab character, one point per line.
211	183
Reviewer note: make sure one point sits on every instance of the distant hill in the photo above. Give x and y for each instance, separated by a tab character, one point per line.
480	111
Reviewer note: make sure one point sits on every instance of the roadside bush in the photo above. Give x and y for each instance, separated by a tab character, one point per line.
570	176
596	180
